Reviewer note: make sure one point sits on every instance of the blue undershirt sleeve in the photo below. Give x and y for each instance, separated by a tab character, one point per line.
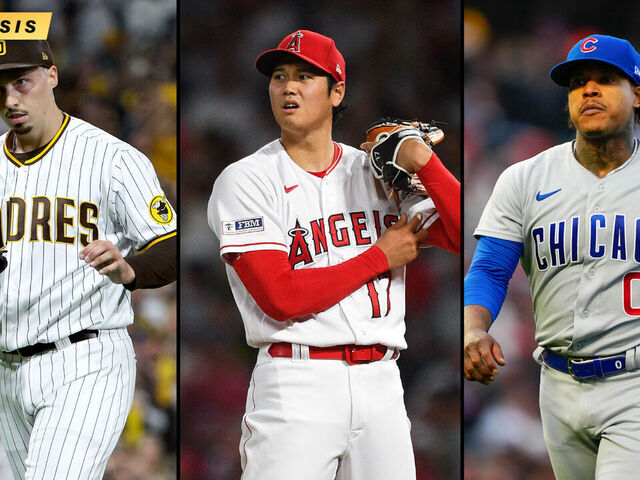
493	264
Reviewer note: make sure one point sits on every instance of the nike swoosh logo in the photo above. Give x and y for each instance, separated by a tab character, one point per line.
540	196
288	189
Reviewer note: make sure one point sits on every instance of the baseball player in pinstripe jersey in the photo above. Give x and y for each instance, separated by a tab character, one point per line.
75	204
572	216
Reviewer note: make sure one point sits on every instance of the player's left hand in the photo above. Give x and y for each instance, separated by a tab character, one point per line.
398	148
412	155
107	259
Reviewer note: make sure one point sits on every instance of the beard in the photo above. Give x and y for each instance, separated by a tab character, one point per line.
22	129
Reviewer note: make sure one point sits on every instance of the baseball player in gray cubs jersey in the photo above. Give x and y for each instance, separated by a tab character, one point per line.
315	252
571	215
76	203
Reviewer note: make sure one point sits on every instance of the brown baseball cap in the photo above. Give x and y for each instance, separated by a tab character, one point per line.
25	53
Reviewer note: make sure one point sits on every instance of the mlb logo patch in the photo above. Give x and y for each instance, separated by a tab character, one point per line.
636	70
244	225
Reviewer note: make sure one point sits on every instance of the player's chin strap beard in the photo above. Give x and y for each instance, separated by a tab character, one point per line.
13	135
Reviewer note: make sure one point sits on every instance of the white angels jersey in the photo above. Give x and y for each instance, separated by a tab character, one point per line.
267	202
581	248
84	185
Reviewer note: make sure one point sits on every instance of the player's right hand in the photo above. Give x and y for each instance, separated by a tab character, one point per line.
107	259
482	355
400	242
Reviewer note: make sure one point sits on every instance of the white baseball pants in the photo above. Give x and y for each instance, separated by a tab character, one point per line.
324	420
62	412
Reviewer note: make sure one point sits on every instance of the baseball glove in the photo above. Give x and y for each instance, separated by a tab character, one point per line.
390	133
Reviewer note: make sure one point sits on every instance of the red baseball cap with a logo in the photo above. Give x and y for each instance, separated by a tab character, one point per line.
311	47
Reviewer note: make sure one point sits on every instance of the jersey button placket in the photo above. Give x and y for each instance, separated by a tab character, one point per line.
597	196
327	201
332	204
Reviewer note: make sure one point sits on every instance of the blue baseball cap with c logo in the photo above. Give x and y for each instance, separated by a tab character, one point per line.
600	48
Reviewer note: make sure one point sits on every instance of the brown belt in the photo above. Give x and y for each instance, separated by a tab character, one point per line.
352	354
38	348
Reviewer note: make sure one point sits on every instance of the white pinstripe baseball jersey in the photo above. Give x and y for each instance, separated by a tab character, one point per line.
84	185
267	202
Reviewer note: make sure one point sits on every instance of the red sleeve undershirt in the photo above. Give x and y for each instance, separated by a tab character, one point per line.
444	190
284	293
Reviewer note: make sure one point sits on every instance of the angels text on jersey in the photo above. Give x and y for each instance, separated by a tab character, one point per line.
308	239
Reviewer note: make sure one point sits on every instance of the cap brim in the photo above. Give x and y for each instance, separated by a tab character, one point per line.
561	73
268	60
12	66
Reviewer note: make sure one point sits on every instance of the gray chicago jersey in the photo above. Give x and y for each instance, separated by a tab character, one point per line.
85	185
581	254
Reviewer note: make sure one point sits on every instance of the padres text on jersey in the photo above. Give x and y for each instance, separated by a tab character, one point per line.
84	185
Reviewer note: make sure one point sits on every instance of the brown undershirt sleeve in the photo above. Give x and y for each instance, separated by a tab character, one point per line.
156	266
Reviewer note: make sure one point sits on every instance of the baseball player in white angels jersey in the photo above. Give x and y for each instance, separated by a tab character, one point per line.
74	201
572	216
315	254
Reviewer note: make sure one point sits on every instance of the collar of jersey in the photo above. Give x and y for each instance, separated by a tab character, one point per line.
40	153
636	143
337	155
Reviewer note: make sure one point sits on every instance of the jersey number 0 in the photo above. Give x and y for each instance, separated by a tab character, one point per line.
626	291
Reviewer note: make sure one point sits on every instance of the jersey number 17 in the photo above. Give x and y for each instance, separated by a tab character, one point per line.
374	286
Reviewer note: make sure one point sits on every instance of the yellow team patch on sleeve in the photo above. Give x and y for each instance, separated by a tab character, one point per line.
160	210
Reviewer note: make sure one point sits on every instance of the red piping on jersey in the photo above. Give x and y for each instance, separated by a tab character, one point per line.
424	222
244	446
251	244
283	293
337	155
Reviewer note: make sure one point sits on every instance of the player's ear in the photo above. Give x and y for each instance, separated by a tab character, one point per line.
636	96
337	93
52	76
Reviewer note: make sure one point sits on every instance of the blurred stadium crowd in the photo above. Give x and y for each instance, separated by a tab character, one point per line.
401	61
512	111
117	63
117	69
